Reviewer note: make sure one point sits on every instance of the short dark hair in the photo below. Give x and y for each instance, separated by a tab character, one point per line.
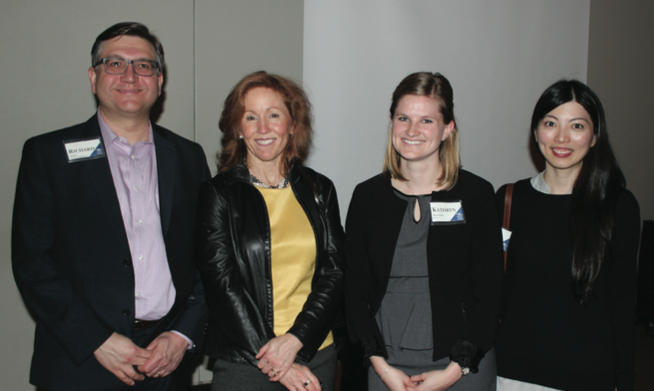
297	103
133	29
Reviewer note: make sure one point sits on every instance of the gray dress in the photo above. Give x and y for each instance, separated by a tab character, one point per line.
405	317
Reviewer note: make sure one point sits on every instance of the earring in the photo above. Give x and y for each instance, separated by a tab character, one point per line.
241	137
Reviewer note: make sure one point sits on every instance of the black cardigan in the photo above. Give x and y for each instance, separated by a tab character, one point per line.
464	264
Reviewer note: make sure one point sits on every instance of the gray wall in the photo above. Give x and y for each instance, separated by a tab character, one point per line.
621	71
45	48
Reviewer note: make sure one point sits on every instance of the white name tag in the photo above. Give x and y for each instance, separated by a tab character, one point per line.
447	213
506	236
84	150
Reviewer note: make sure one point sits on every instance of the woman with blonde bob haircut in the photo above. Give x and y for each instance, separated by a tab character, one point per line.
424	254
269	246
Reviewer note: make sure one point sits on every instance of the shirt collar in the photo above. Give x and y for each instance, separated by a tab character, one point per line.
538	183
109	136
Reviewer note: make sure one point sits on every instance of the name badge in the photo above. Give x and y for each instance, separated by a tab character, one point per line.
450	212
506	237
84	150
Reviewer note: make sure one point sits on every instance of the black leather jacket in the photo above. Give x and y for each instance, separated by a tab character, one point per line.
233	256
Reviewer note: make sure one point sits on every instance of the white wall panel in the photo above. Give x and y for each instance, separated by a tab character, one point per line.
499	56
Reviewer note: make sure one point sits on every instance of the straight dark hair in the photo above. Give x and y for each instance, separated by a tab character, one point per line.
596	189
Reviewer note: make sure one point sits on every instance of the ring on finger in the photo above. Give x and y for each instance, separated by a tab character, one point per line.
273	373
306	383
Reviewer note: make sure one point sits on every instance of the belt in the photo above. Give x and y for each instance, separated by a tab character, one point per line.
144	324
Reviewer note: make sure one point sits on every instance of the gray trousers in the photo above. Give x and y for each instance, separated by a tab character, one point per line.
243	376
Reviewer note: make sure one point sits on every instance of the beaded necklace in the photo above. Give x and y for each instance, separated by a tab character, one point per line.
282	185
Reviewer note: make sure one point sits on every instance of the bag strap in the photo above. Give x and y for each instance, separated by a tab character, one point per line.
508	197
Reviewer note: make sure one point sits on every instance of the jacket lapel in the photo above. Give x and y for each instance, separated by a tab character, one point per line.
99	175
166	163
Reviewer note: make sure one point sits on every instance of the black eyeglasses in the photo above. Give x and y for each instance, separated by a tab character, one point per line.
118	66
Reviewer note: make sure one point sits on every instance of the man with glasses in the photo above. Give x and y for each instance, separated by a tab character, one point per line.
102	236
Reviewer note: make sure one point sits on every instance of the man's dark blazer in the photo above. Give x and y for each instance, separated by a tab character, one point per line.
71	257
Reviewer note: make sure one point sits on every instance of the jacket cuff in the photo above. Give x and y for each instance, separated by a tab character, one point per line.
466	355
187	339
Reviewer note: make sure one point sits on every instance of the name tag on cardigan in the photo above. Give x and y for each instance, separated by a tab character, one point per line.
450	212
84	150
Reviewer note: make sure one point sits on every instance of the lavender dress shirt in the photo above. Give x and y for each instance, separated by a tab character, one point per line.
134	172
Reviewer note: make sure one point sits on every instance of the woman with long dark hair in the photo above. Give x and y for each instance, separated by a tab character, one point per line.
570	286
424	256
